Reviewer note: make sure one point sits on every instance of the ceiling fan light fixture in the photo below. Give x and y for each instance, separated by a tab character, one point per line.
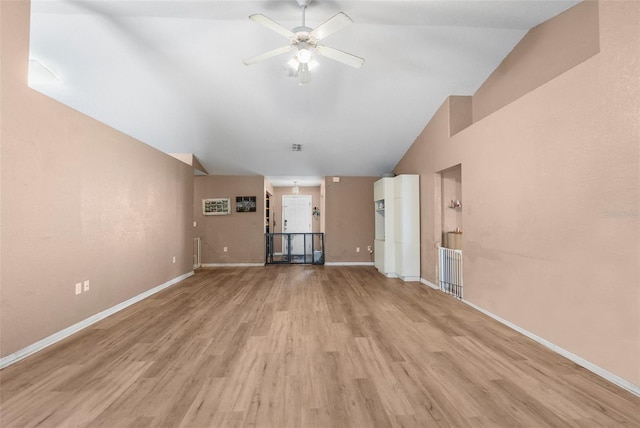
304	55
294	64
304	76
303	39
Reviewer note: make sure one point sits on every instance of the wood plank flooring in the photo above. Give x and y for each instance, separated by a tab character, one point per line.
304	346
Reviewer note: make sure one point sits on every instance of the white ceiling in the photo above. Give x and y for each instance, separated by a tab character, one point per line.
170	73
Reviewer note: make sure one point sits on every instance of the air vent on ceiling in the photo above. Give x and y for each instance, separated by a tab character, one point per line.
296	147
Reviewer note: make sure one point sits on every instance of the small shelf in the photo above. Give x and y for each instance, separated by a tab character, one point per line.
379	206
267	219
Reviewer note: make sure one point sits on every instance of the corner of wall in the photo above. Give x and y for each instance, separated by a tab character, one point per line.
545	52
460	113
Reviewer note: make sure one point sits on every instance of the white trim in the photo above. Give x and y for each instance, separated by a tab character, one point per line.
309	226
349	264
206	265
198	252
62	334
635	389
403	278
429	284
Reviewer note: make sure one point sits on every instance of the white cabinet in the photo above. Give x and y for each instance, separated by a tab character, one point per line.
397	244
383	205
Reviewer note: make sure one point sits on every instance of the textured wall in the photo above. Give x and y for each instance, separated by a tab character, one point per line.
80	201
347	215
349	219
551	193
242	233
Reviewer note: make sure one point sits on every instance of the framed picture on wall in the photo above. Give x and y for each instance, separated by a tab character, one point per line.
216	206
245	204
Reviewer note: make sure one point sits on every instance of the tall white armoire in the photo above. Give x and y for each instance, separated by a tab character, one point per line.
397	234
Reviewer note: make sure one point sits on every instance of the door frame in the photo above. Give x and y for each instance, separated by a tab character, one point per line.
309	198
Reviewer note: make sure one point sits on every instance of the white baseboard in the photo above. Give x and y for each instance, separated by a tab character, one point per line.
62	334
429	284
387	275
617	380
349	264
625	384
403	278
206	265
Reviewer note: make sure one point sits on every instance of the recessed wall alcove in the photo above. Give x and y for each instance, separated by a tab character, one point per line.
451	205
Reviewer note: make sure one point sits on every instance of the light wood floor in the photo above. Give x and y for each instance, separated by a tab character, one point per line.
303	346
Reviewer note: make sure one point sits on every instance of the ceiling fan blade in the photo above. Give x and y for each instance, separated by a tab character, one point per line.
331	25
268	55
271	24
304	75
338	55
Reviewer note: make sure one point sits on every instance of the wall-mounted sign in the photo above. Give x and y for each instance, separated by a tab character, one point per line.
245	204
216	206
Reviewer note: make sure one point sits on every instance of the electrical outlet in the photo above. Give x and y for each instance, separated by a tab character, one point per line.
224	249
369	248
86	285
357	249
174	259
194	224
78	288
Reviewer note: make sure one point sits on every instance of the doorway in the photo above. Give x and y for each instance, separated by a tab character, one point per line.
296	218
448	226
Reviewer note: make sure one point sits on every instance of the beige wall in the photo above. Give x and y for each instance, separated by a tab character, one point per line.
314	192
316	224
241	233
80	201
547	51
349	219
347	214
551	193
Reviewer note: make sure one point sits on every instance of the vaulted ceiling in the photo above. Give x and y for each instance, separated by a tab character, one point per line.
171	74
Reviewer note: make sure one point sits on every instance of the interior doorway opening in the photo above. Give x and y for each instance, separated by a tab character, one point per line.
296	223
451	207
449	227
295	233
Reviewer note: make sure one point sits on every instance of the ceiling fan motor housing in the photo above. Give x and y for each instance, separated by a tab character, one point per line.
303	36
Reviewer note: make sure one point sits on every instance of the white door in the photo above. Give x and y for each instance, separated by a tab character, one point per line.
296	218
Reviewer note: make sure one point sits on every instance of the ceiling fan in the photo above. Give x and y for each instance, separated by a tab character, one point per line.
306	39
